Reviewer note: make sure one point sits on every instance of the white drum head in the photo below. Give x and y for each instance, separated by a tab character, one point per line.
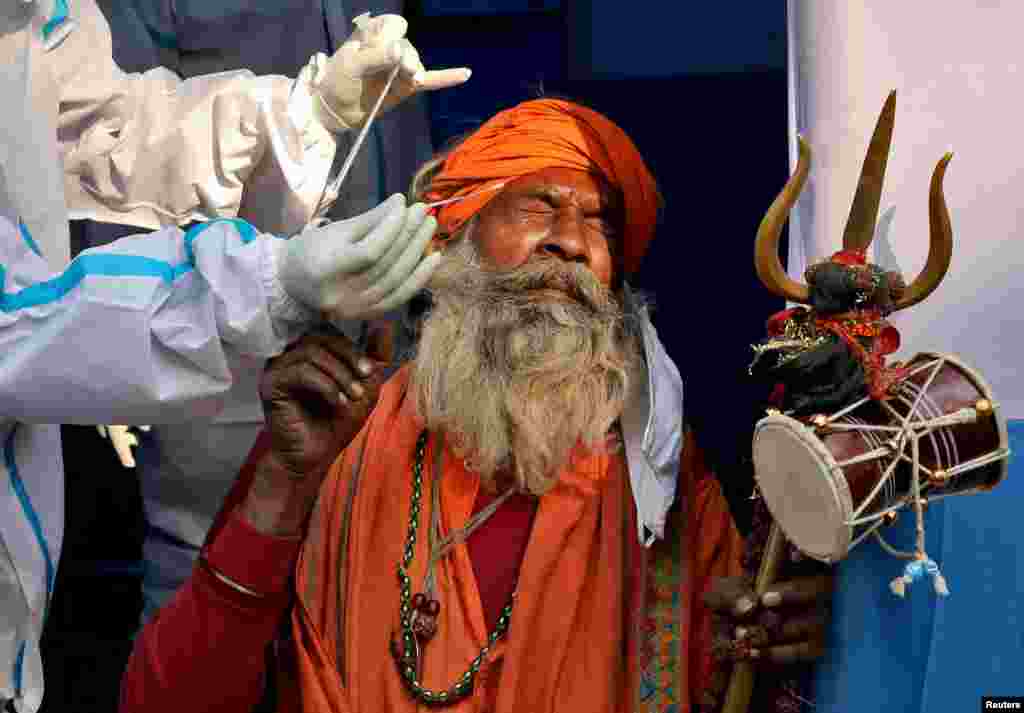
804	489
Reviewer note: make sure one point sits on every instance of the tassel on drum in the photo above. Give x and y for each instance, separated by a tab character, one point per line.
916	570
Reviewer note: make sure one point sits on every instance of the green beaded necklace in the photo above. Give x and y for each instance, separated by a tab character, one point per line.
407	655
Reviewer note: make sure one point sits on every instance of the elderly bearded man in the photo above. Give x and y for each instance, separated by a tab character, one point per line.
476	544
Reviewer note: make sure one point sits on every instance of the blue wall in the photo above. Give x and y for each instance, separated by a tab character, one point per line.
611	40
439	8
926	654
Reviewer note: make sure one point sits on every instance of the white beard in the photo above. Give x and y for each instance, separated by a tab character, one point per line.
518	378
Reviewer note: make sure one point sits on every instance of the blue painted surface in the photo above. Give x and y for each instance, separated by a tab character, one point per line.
486	7
503	73
925	653
666	39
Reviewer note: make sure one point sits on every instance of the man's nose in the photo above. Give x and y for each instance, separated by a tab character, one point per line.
566	240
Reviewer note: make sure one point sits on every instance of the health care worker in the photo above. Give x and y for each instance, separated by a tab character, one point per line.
145	330
186	469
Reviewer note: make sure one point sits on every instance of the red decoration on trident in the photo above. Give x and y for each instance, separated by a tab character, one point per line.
850	258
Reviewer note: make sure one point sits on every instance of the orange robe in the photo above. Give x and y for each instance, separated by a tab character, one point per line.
581	635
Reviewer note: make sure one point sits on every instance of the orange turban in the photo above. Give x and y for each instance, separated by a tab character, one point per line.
540	134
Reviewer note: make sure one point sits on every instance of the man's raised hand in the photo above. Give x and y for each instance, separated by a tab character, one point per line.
316	398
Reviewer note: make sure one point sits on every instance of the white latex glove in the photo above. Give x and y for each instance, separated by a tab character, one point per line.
362	267
123	440
355	76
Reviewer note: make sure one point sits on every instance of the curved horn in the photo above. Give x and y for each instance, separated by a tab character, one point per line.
940	249
860	225
766	249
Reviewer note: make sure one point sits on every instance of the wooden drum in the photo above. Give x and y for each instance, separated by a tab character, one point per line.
831	480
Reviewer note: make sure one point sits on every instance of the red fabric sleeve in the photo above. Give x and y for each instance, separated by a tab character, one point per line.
205	650
241	487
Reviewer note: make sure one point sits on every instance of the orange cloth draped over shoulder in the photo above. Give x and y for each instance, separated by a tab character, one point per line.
575	639
545	133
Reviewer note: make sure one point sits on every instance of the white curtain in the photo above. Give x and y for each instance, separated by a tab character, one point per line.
958	70
955	68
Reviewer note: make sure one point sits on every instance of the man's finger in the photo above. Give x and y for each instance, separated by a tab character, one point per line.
342	348
800	627
308	379
442	79
800	591
291	355
380	340
732	596
337	367
787	654
808	627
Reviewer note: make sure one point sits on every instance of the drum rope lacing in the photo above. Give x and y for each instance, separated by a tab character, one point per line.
920	420
924	418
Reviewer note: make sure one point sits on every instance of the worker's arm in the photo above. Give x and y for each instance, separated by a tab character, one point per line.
139	331
151	150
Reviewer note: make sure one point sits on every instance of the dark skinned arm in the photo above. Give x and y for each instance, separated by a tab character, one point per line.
207	645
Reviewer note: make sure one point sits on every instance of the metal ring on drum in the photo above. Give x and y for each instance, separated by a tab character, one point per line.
962	410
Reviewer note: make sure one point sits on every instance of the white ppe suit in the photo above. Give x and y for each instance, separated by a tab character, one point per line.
185	469
173	310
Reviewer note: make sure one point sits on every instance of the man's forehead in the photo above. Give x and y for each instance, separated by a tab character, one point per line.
557	181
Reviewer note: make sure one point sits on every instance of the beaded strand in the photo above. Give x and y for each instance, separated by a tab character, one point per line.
407	658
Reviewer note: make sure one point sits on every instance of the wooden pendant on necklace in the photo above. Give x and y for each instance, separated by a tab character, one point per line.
424	617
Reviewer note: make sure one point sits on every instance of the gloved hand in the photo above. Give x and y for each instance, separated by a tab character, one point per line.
362	267
122	439
355	76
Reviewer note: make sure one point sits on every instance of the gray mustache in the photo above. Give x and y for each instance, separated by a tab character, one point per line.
525	285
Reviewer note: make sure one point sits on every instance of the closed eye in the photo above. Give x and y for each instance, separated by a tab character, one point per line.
536	205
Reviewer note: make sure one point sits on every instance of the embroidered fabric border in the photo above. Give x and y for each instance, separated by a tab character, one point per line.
661	643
